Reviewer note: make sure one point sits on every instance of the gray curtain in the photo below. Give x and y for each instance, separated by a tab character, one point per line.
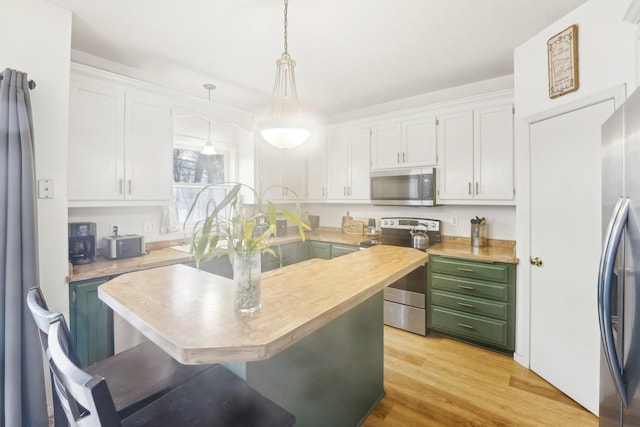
22	397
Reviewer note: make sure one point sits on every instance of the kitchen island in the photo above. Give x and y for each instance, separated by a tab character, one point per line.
315	347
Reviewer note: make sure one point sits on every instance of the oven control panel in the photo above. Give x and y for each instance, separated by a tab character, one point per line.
410	223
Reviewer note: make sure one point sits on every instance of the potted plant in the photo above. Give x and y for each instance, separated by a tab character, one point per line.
240	231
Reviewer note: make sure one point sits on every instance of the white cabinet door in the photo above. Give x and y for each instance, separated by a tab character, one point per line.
403	144
455	166
419	139
280	170
316	168
493	153
148	150
337	166
96	143
269	176
359	165
349	165
294	172
386	146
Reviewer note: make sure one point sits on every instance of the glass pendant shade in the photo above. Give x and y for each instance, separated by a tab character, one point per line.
208	149
283	124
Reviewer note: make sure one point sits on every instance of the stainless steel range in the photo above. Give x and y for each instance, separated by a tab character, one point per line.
405	299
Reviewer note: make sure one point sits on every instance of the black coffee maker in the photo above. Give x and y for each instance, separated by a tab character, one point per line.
82	242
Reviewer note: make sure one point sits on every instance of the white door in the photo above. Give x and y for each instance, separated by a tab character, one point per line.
566	236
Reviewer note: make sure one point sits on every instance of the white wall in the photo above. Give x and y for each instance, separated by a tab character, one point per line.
37	39
607	59
501	222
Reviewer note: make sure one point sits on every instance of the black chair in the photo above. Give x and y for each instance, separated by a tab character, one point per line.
214	397
135	376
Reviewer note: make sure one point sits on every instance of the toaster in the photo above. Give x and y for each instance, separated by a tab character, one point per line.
124	246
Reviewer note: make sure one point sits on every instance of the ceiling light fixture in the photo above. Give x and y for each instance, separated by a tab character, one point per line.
208	149
283	124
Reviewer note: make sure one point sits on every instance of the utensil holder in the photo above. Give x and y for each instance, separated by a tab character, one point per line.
478	234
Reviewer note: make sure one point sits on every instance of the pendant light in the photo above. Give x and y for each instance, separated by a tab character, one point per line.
208	149
283	124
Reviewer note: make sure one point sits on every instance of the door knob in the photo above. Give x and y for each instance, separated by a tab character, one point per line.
535	261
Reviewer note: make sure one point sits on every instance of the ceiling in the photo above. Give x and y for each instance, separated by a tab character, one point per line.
349	53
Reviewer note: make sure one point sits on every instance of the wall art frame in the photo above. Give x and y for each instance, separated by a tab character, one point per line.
562	55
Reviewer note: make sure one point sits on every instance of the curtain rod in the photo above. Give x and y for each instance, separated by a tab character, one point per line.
32	84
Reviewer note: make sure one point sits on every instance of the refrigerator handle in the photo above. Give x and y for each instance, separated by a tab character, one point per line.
615	229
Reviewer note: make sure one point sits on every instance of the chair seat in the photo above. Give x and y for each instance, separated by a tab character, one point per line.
214	397
140	374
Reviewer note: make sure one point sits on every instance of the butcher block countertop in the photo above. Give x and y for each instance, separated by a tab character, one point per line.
161	254
190	313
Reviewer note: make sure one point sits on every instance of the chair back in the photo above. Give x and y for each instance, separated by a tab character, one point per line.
85	398
44	318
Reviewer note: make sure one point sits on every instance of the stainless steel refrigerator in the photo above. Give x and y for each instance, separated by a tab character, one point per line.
619	280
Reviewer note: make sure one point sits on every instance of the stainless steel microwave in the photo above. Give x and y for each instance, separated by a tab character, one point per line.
404	187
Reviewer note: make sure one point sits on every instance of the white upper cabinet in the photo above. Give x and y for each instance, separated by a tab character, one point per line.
120	144
96	143
281	172
475	160
406	143
348	165
494	157
316	168
148	149
455	166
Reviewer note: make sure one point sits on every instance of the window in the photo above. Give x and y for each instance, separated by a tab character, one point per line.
193	171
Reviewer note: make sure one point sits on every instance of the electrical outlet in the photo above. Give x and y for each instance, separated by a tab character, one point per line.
150	227
454	221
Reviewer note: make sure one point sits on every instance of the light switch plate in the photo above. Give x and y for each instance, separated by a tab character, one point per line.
46	189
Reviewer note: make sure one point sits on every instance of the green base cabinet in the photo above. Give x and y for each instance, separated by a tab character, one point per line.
473	301
321	250
340	249
91	321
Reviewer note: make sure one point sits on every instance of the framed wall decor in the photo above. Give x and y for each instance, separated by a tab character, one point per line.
562	54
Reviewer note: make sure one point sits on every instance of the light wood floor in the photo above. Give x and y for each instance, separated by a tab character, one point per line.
437	381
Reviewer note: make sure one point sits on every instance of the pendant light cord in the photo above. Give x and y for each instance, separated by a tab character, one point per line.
286	24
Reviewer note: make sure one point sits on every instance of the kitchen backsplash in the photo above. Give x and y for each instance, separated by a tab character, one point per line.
146	220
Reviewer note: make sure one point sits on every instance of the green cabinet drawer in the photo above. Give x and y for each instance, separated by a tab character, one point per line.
495	309
480	329
496	291
321	250
470	269
340	250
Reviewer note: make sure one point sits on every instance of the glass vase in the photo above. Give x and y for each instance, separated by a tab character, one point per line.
246	281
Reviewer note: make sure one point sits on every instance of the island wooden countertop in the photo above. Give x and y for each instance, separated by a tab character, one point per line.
190	314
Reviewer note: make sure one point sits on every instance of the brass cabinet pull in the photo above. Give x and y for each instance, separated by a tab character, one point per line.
466	287
468	270
404	157
476	187
464	325
464	304
469	187
397	157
